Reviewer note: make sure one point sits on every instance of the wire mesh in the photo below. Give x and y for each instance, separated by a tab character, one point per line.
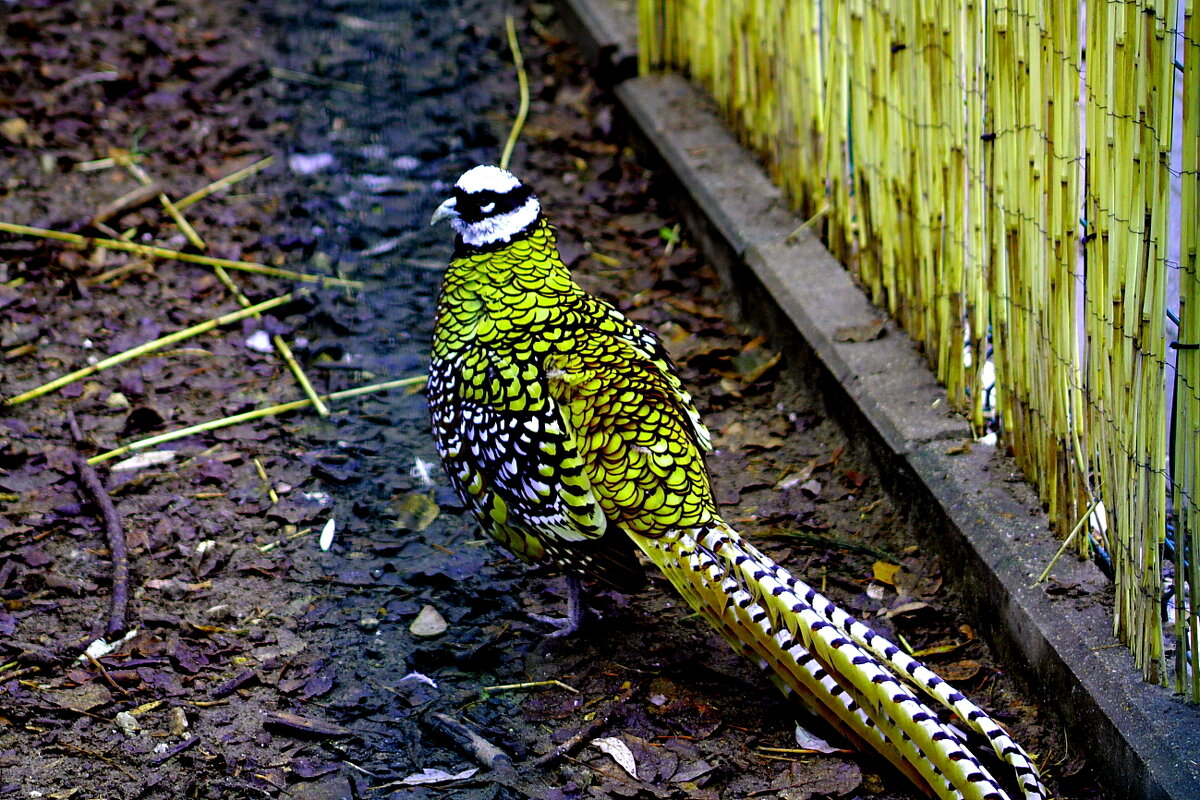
1016	182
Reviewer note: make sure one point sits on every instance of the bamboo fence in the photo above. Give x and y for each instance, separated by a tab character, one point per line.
1016	182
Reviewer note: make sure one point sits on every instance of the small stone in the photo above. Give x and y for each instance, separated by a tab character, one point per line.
369	623
429	623
307	164
178	722
128	725
117	400
14	129
260	342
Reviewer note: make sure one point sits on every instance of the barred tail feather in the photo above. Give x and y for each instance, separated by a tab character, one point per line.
835	663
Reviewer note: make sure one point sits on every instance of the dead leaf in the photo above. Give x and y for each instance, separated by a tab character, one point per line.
620	753
799	476
693	308
855	478
305	725
937	650
83	698
806	740
14	129
416	511
863	332
885	572
826	777
154	458
963	670
430	775
907	608
752	365
907	583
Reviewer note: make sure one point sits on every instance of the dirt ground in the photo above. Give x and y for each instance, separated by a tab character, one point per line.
257	663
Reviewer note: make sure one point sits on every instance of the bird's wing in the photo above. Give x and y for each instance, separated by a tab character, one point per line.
638	435
648	347
512	458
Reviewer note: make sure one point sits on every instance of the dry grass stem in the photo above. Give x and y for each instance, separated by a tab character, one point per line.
315	80
523	91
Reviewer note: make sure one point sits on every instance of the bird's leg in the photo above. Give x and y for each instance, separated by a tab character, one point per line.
569	624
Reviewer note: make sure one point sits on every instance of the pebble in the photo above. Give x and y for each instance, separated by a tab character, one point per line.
128	725
178	722
429	623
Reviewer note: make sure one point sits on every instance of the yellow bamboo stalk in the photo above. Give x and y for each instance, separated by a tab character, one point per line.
172	210
947	143
1187	430
247	416
281	347
151	251
223	183
148	347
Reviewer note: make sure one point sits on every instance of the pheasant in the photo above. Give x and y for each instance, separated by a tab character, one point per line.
566	430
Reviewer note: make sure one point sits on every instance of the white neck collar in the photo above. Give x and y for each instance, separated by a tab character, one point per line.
501	228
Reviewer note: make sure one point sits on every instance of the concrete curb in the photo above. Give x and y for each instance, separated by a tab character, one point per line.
989	528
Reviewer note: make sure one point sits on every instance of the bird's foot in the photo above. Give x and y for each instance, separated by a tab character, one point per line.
565	626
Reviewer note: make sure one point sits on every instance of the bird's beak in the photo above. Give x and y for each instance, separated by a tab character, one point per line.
445	211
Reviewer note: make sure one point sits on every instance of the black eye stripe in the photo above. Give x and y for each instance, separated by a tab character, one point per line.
470	205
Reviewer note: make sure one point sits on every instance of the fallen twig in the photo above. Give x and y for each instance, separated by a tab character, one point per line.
530	685
104	674
262	474
309	726
1087	515
269	546
270	411
174	210
163	252
586	733
484	752
142	349
19	673
136	265
233	684
83	80
114	533
489	756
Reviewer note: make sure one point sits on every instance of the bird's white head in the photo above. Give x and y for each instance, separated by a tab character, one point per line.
489	207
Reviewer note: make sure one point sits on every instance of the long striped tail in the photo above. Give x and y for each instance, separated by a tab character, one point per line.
839	667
